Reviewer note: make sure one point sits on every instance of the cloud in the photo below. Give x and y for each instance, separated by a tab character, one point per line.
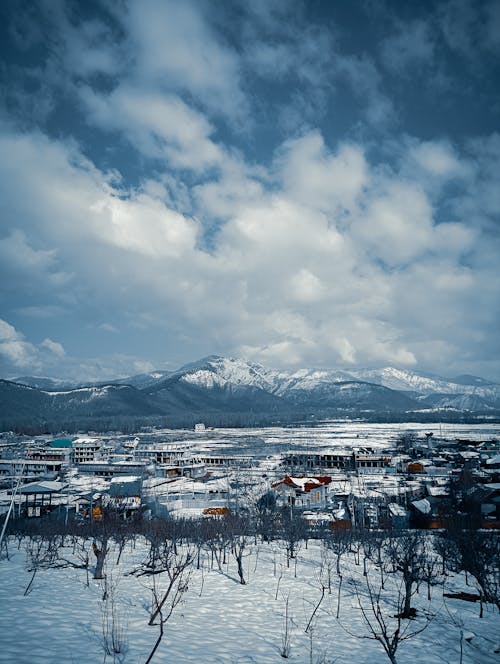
246	180
410	47
328	260
439	159
53	347
175	46
13	349
362	75
159	125
470	27
315	177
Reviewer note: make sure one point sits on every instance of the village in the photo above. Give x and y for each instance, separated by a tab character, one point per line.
390	478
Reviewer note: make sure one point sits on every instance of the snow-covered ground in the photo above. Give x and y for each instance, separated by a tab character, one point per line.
339	434
220	621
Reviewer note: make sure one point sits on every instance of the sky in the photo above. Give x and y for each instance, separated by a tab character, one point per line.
299	183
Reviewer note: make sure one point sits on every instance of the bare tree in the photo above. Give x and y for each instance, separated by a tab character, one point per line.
166	557
41	553
479	555
293	529
382	612
406	554
286	644
113	637
238	530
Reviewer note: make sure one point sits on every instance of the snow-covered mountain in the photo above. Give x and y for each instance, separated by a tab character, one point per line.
221	372
219	387
232	380
426	384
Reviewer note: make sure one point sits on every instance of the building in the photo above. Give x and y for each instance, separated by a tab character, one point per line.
373	463
162	452
30	468
309	492
109	469
86	450
338	459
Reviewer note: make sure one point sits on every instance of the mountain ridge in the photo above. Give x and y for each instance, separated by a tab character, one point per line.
219	387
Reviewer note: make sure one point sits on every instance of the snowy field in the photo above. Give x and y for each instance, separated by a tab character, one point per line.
328	435
220	621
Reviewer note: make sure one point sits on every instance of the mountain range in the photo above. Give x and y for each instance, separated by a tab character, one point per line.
219	389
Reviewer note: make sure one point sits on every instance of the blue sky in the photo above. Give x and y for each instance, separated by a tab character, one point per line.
298	183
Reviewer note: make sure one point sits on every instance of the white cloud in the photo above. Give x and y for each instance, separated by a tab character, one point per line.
53	347
174	45
439	159
7	331
323	260
14	349
396	225
315	177
306	287
158	125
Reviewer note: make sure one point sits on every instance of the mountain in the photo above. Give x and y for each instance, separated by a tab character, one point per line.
140	381
427	384
24	404
44	383
218	389
216	383
237	384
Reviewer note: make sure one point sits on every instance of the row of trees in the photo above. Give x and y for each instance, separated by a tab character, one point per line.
392	566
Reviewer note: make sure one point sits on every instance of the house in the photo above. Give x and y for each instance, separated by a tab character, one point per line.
399	516
125	494
307	492
185	497
39	496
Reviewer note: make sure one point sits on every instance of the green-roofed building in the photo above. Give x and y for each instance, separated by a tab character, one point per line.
61	442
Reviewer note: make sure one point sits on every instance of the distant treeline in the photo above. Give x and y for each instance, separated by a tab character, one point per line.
131	424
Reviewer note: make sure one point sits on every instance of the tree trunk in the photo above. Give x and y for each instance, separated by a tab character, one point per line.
100	555
407	604
157	643
240	570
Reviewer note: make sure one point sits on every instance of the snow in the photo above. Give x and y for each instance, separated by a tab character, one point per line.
124	478
224	372
396	510
220	621
91	392
422	506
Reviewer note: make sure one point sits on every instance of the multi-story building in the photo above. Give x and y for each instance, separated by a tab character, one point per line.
331	459
86	450
29	468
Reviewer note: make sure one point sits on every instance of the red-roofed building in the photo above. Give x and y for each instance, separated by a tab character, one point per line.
307	492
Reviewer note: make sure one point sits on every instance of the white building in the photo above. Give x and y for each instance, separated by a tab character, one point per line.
86	450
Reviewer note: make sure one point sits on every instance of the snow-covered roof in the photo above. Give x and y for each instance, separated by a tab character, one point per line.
304	484
124	478
422	505
437	491
397	510
43	487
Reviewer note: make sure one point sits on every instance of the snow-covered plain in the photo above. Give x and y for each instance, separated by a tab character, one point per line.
220	621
